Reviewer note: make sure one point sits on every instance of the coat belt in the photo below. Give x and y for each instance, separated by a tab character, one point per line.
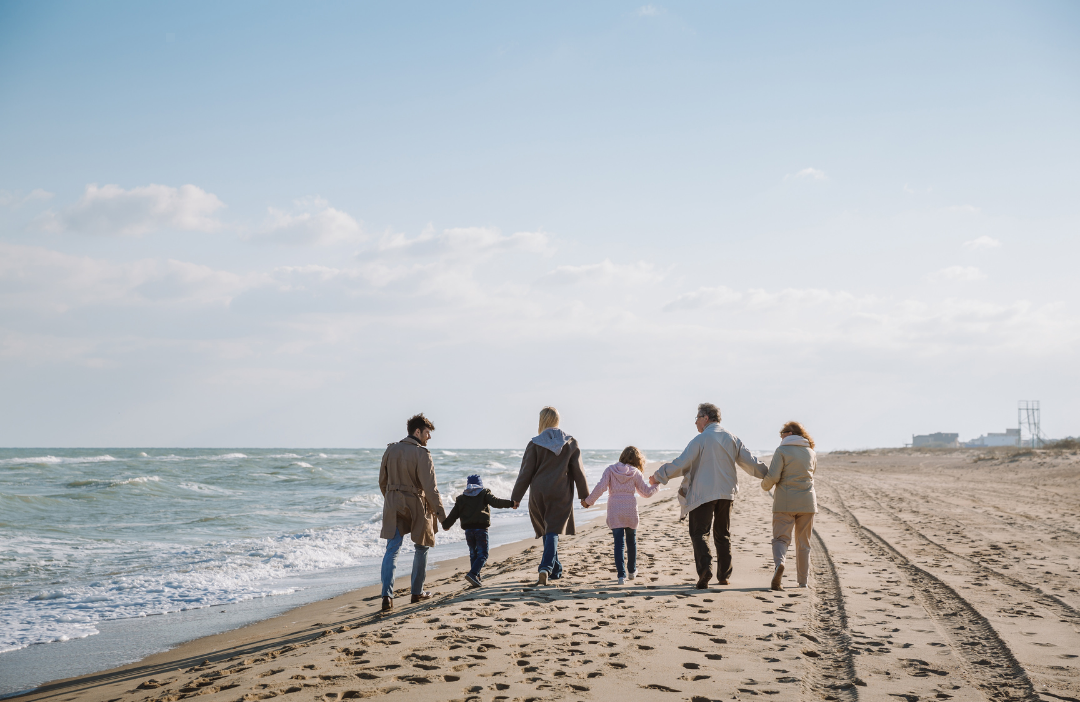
405	488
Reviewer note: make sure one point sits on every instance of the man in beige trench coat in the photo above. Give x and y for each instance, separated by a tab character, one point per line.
411	505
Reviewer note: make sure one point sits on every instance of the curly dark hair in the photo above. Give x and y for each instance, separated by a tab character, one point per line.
419	421
709	410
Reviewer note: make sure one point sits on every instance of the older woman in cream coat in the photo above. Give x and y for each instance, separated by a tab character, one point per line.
794	503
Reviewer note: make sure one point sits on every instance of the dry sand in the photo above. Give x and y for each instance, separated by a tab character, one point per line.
936	576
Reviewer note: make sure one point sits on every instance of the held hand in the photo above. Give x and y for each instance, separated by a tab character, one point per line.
585	504
516	505
653	480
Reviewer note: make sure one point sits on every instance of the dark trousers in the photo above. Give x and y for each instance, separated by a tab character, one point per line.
629	537
715	516
478	549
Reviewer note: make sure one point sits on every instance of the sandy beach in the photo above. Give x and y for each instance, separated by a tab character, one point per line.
936	575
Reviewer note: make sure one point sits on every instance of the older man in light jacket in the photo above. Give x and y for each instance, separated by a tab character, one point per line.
709	488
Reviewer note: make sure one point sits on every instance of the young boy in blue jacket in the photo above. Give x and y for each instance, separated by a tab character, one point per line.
473	508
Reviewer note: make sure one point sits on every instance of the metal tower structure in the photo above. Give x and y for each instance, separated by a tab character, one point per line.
1029	420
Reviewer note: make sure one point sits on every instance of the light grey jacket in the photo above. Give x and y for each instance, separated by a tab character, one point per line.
792	472
709	462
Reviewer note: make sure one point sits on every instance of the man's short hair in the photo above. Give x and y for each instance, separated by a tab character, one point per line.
709	410
419	421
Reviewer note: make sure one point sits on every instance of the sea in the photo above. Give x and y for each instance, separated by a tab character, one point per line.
109	555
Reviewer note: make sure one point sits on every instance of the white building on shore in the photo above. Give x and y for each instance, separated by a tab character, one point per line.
1010	437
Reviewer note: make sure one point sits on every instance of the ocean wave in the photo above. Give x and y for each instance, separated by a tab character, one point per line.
302	464
216	574
57	460
112	482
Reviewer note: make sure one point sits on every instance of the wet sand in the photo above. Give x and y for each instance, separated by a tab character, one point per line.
935	576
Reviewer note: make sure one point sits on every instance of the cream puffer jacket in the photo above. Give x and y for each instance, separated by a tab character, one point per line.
792	472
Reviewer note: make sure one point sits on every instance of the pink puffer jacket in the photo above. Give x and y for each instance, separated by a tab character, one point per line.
622	481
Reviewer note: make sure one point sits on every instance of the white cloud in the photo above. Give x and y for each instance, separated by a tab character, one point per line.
38	279
111	210
313	221
965	274
649	11
17	199
982	242
808	173
603	273
465	240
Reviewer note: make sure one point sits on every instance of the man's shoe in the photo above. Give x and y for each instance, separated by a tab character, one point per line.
543	578
778	574
421	597
703	582
722	581
387	604
473	580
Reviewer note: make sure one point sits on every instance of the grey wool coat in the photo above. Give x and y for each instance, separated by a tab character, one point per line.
550	475
411	500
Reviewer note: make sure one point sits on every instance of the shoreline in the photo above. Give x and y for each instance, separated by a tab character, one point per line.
318	609
926	584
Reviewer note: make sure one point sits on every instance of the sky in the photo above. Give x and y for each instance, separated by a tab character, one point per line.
297	224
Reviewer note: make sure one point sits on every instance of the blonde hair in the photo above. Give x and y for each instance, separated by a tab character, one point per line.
797	429
549	417
632	456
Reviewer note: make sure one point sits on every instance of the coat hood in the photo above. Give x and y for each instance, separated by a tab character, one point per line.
622	471
795	440
553	439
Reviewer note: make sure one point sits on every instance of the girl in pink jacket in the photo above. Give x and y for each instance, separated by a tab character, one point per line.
622	480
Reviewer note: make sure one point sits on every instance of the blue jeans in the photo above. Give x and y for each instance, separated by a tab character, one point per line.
478	549
549	562
630	536
419	565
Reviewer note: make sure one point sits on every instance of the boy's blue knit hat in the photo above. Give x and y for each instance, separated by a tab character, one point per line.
473	485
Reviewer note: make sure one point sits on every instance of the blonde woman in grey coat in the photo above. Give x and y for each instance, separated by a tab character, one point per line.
795	502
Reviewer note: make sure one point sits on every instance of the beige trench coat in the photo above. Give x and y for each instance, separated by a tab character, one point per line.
411	500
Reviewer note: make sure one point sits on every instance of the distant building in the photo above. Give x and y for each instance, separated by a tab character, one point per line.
1010	437
938	440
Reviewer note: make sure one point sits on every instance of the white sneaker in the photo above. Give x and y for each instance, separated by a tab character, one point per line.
622	581
633	575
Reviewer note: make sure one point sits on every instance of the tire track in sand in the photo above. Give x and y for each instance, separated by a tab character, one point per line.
1052	602
988	661
832	675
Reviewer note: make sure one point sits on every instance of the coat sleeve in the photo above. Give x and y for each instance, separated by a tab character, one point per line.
754	466
577	473
426	472
776	471
643	488
525	475
383	477
598	490
453	516
681	465
496	502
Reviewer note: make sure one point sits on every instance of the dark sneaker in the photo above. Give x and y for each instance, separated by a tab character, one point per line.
387	604
421	597
473	580
777	576
722	581
703	582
